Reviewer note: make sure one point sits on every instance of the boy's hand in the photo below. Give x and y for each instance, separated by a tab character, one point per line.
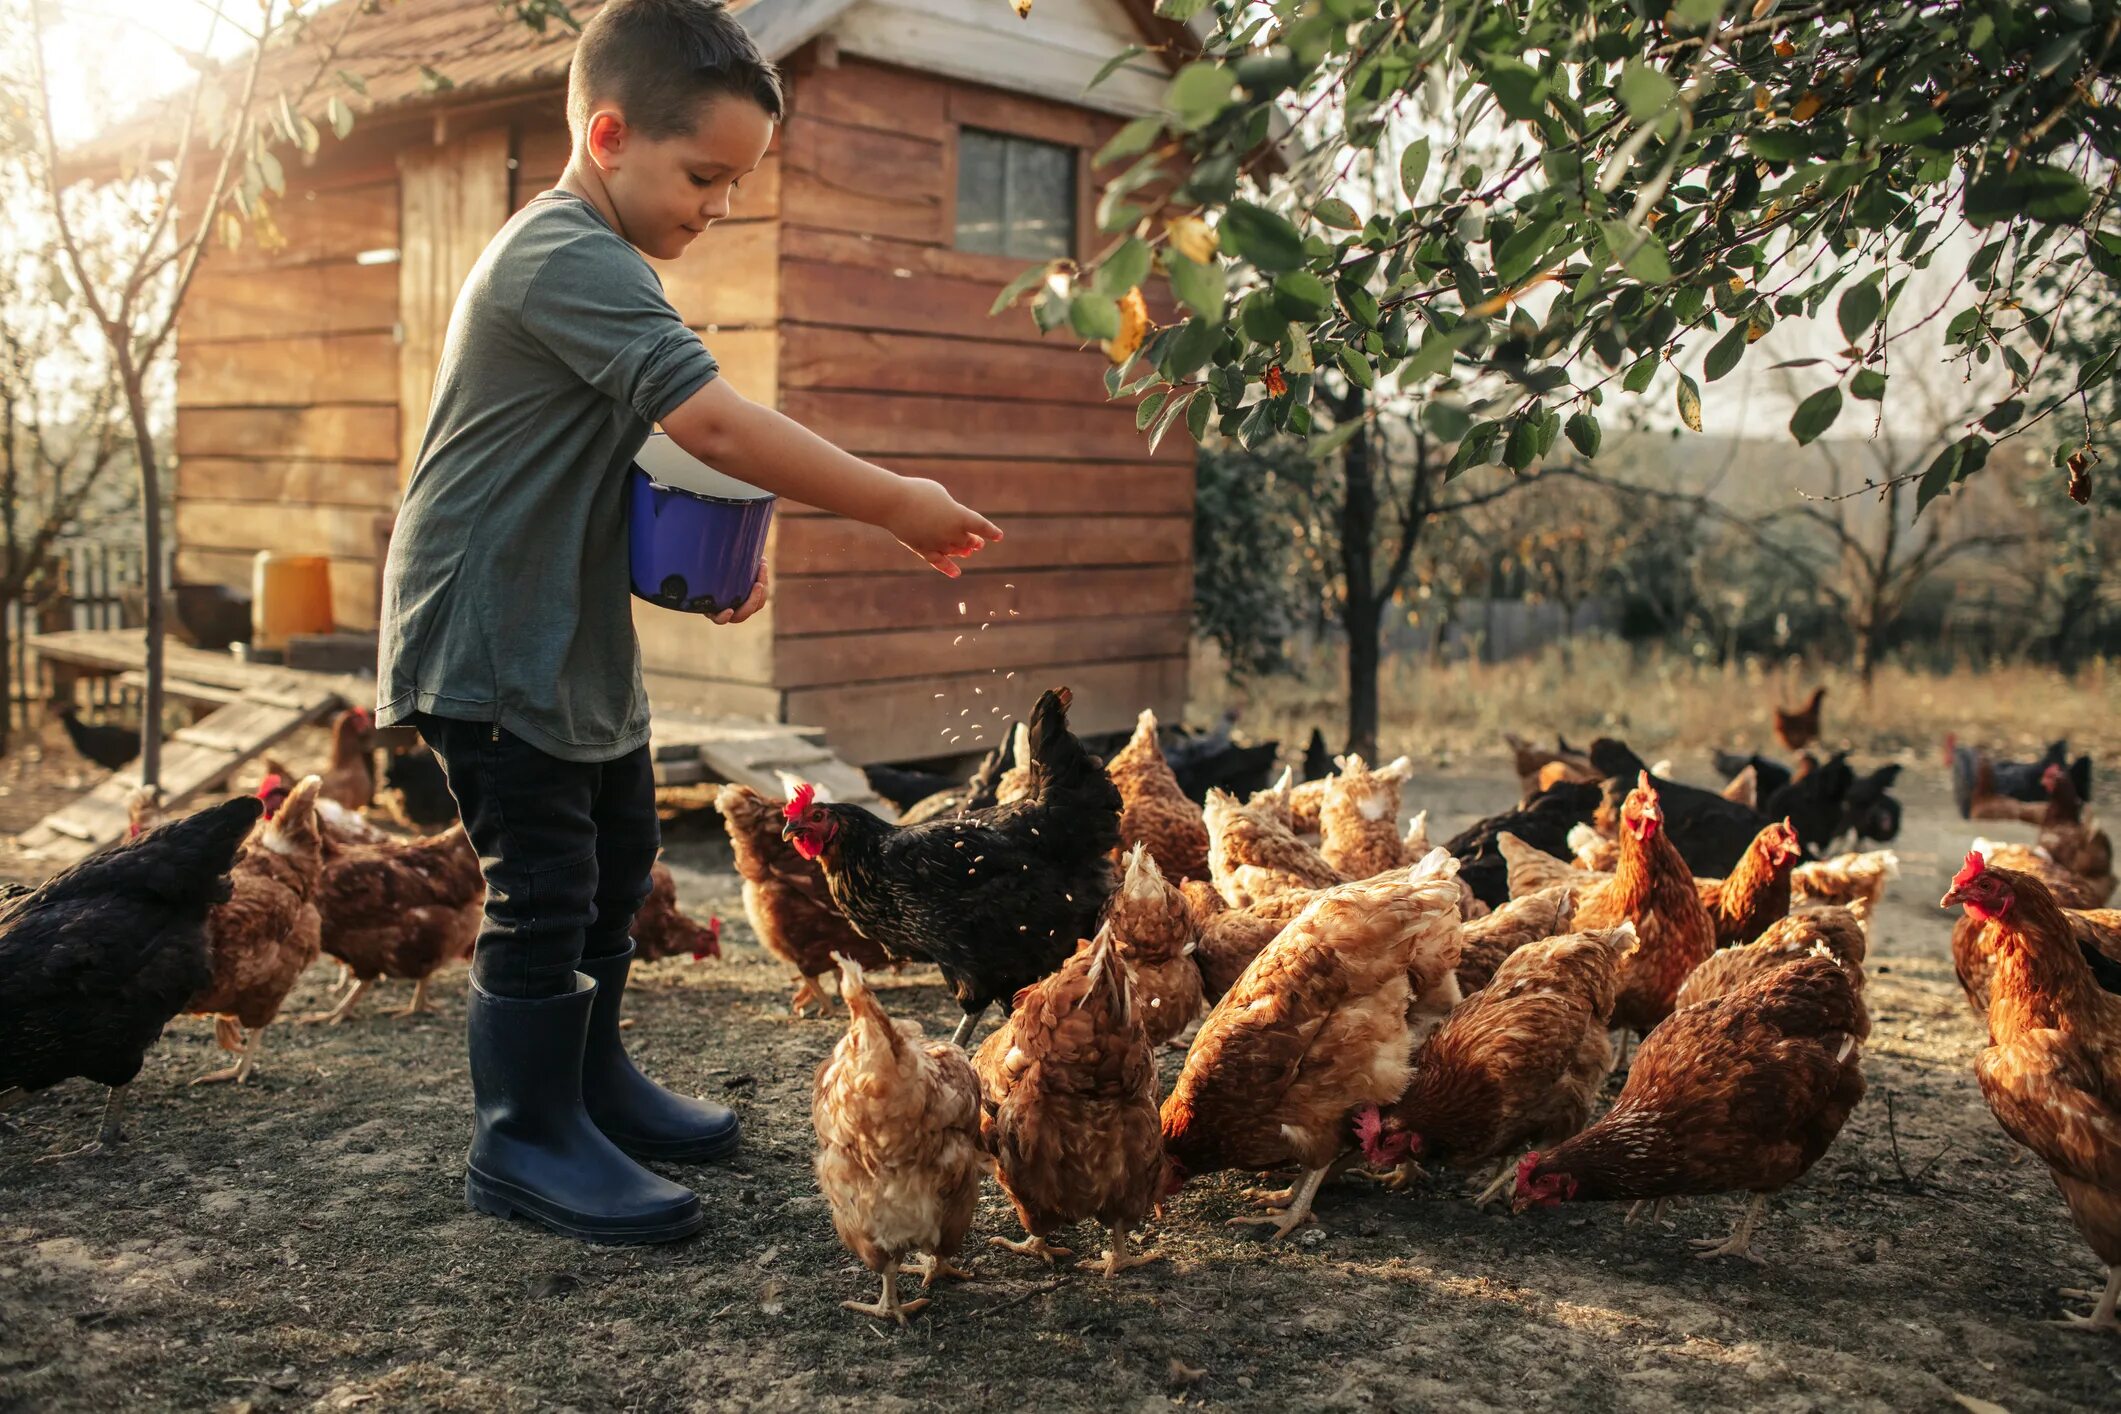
751	605
929	522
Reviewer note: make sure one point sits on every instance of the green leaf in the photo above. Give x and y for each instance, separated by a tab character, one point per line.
1935	481
1815	414
1724	356
1198	287
1200	92
1689	403
1197	413
1447	421
1868	385
1413	166
1641	254
1132	140
1302	295
1321	447
1194	346
1125	268
1094	316
1520	253
1014	290
1583	433
1518	87
1644	90
1263	237
1435	354
270	171
1112	65
1357	367
341	117
1694	14
1173	410
1145	411
2004	415
1523	444
353	81
2032	189
1338	214
1180	10
1859	308
1640	373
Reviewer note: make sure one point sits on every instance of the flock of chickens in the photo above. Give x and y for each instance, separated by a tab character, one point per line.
219	915
1346	994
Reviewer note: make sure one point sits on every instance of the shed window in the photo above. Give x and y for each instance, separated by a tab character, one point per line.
1015	196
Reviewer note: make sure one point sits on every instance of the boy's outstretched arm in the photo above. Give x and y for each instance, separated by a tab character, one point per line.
773	452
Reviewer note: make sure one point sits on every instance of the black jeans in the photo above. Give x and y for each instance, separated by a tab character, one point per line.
566	848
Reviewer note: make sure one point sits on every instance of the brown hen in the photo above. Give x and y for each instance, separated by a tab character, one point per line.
785	898
1153	928
1358	820
1833	930
1250	857
401	909
1518	923
1757	892
661	929
1153	810
1652	889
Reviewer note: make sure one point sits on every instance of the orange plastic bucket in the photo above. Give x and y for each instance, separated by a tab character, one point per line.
289	595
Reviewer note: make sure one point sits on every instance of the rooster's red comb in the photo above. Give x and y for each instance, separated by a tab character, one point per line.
799	804
1973	869
271	786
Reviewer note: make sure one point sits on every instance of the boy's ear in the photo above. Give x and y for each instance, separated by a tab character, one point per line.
605	137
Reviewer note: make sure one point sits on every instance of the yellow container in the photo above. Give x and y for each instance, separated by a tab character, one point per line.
289	595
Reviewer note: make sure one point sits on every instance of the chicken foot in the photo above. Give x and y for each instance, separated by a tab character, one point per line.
806	992
1116	1258
246	1060
2102	1317
345	1007
1033	1246
1505	1174
1348	1165
1285	1220
888	1306
418	1006
1740	1242
1655	1205
107	1134
932	1267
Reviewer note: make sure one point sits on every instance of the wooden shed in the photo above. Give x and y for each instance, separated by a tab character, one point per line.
933	149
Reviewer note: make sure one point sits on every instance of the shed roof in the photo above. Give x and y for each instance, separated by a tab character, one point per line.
447	51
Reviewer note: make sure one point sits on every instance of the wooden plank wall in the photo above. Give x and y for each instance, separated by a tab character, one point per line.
287	374
886	347
727	286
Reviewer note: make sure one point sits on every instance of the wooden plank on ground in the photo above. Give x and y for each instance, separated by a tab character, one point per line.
750	752
181	690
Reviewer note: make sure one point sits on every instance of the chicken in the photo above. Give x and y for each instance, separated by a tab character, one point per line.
1517	924
399	909
1977	776
1816	802
96	961
1845	879
786	898
1315	1029
996	900
1359	819
1250	857
1015	783
1273	801
267	934
1743	789
1154	811
1542	822
350	779
2070	890
2052	1071
1521	1062
1769	775
1229	938
1535	765
416	791
978	793
1153	928
1069	1105
112	748
1531	871
1799	729
1868	811
1594	853
2096	932
898	1144
1653	890
1742	1092
1414	845
2072	841
1836	930
1757	892
1710	833
661	929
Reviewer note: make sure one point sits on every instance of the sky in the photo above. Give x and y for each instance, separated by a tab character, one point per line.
107	57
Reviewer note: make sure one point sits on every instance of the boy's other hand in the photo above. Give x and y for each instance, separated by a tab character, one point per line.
929	522
751	605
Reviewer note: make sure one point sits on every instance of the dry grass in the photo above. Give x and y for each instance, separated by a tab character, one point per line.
1662	703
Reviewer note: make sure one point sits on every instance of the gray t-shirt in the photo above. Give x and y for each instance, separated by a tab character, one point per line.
506	597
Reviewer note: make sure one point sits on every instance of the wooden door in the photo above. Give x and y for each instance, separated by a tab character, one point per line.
452	197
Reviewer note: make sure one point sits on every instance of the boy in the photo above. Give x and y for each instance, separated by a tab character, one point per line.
507	628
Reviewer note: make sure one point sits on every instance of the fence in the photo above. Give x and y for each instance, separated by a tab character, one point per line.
83	587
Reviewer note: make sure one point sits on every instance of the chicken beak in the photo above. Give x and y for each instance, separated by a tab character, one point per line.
1951	899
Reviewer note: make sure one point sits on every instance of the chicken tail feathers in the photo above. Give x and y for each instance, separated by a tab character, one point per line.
865	1013
184	861
1064	773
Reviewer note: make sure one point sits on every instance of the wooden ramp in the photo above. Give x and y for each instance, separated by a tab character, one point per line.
753	752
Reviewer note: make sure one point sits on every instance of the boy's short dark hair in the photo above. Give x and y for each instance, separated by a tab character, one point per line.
659	59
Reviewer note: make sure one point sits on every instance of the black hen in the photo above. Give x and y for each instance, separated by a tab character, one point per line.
1240	770
1768	776
978	793
112	748
1543	822
96	962
1318	762
904	788
2019	780
1814	803
417	790
1868	811
997	898
1712	833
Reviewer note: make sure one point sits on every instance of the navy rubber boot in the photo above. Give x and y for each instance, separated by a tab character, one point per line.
634	1112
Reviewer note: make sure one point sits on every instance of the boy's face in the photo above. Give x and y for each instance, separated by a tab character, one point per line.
669	190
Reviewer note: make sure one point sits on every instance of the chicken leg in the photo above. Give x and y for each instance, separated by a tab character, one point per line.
932	1267
246	1059
963	1035
418	1005
1116	1258
345	1007
1505	1175
806	992
888	1306
1285	1220
107	1134
1033	1246
2102	1317
1740	1242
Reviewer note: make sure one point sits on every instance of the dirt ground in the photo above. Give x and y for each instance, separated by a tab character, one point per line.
302	1243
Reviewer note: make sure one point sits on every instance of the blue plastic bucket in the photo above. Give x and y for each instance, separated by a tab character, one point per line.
698	538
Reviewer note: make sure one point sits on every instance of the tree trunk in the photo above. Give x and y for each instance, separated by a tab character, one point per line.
151	570
1363	615
7	675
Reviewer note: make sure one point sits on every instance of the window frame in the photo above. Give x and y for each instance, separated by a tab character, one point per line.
1010	115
